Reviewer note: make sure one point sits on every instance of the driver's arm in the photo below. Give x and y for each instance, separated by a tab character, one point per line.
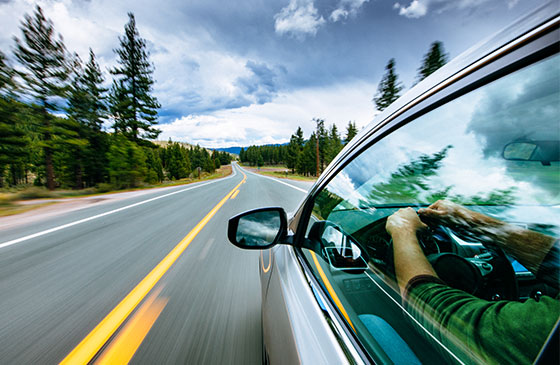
501	332
530	248
410	261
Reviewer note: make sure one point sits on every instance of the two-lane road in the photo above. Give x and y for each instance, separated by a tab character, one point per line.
151	279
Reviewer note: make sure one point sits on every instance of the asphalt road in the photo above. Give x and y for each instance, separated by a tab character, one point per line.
155	282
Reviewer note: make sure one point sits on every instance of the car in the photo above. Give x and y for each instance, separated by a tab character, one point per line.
481	135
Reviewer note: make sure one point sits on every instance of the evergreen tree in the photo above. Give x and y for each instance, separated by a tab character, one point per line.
13	141
389	87
433	60
86	106
127	163
351	132
133	107
154	172
322	136
45	78
334	144
307	164
294	149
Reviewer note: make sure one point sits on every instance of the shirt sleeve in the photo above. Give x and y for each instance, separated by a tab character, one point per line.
491	332
549	269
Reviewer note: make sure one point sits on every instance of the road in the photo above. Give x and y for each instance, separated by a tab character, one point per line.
150	279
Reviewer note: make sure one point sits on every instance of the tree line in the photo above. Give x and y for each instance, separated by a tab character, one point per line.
307	157
311	156
54	109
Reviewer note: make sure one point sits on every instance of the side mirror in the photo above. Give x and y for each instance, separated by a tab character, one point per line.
258	229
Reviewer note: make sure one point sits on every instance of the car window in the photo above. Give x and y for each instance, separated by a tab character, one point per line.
494	152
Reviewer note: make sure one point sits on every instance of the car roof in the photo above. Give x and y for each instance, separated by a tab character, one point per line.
522	26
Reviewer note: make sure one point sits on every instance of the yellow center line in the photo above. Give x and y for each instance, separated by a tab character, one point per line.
331	291
235	194
93	342
129	339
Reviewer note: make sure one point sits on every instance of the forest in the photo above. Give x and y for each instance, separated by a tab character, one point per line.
56	115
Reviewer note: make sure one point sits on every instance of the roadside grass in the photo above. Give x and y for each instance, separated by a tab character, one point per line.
10	199
12	208
279	171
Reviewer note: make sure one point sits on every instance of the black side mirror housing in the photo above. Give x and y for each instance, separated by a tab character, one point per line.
258	229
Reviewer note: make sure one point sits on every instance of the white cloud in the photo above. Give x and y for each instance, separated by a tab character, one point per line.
298	19
416	9
346	9
419	8
275	121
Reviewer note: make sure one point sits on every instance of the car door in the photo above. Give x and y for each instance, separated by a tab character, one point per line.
489	143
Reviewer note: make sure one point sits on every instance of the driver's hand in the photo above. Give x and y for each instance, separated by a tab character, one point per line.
446	212
404	221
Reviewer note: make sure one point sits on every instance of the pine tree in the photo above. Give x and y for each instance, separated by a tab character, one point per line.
351	132
389	87
45	78
294	149
86	106
322	136
307	164
433	60
133	107
12	138
334	144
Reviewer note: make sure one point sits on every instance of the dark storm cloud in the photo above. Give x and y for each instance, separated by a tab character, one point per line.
262	84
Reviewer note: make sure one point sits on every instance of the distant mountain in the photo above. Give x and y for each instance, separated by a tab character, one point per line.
236	150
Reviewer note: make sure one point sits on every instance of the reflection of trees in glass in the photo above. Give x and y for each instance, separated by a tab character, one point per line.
410	185
325	202
410	181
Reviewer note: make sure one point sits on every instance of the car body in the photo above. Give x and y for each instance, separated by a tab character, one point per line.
483	131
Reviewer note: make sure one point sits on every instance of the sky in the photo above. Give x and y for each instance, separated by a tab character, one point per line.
246	72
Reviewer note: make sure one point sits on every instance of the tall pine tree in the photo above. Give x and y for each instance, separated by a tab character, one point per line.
334	144
132	106
86	106
45	78
12	138
389	87
433	60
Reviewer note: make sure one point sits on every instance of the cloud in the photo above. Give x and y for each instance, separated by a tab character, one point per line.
275	121
299	19
261	84
419	8
346	9
416	9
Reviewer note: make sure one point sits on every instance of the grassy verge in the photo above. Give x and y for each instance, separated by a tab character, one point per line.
280	172
9	199
12	209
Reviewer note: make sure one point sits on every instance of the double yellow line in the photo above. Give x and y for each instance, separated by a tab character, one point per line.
98	337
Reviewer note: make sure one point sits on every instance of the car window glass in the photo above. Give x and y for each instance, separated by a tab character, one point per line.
493	151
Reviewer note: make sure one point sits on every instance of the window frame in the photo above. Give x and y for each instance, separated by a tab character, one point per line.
532	46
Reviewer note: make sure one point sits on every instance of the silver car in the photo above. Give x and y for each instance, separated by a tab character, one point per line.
433	236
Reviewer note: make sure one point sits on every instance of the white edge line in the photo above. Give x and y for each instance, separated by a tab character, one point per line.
42	233
414	319
273	179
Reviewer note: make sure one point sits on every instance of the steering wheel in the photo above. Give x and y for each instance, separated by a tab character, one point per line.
486	274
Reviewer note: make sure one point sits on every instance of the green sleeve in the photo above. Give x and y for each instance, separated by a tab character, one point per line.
494	332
